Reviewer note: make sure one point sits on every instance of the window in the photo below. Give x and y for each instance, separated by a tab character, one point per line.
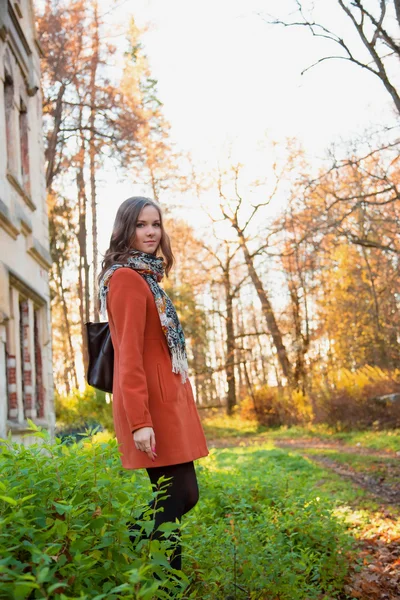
9	110
38	366
24	149
24	347
26	364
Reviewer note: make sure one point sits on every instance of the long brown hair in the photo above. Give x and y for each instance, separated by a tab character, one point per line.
124	231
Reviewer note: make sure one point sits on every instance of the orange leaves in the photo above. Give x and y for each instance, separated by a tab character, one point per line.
379	577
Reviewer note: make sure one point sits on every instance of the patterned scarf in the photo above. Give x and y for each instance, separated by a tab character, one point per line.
151	268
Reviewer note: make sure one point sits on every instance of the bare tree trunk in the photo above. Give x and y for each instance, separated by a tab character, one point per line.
230	345
92	155
249	386
382	358
277	375
201	371
84	292
239	329
379	349
254	362
299	373
230	292
154	182
51	149
267	312
66	369
71	359
260	348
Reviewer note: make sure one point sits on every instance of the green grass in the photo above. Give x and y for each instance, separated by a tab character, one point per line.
222	426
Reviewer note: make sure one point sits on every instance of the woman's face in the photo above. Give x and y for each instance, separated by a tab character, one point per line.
148	230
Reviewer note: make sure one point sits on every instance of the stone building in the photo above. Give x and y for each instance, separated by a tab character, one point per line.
26	380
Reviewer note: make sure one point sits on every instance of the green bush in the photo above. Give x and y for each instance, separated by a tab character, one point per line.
82	408
64	511
259	530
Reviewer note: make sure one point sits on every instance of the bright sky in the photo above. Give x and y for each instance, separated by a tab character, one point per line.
228	79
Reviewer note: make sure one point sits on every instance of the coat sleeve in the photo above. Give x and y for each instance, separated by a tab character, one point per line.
127	308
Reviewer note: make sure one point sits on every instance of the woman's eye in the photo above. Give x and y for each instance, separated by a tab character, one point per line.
157	224
139	225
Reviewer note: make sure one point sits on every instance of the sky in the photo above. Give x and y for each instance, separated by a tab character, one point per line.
229	81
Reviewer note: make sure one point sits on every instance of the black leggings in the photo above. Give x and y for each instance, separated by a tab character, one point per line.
183	494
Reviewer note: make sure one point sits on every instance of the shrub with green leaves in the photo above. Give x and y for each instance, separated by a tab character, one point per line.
260	530
64	511
83	407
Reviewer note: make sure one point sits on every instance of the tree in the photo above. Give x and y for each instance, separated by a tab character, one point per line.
347	311
359	197
225	266
377	27
230	211
340	255
187	285
88	122
152	157
61	246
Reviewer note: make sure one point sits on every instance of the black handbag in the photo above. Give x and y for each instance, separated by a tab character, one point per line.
101	356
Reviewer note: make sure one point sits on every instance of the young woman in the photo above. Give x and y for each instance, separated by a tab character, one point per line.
155	416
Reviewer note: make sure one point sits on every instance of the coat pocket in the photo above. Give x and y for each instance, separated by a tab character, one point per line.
172	389
161	384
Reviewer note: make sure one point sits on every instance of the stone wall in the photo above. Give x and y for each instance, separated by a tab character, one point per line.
26	378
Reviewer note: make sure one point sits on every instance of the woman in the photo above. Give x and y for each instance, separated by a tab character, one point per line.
155	416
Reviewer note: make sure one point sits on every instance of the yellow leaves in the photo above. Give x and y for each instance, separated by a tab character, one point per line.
345	379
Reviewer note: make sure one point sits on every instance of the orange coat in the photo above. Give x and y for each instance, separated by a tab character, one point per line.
146	393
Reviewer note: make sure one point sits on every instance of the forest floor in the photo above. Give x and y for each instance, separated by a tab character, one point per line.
373	515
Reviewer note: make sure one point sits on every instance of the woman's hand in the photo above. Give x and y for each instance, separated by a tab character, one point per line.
145	440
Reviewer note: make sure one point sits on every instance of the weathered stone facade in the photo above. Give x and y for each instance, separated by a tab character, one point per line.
26	378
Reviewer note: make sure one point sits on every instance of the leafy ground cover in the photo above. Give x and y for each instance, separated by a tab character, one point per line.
64	511
367	464
313	518
374	518
266	527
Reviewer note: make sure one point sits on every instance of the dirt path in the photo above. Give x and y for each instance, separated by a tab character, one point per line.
384	493
334	445
383	482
